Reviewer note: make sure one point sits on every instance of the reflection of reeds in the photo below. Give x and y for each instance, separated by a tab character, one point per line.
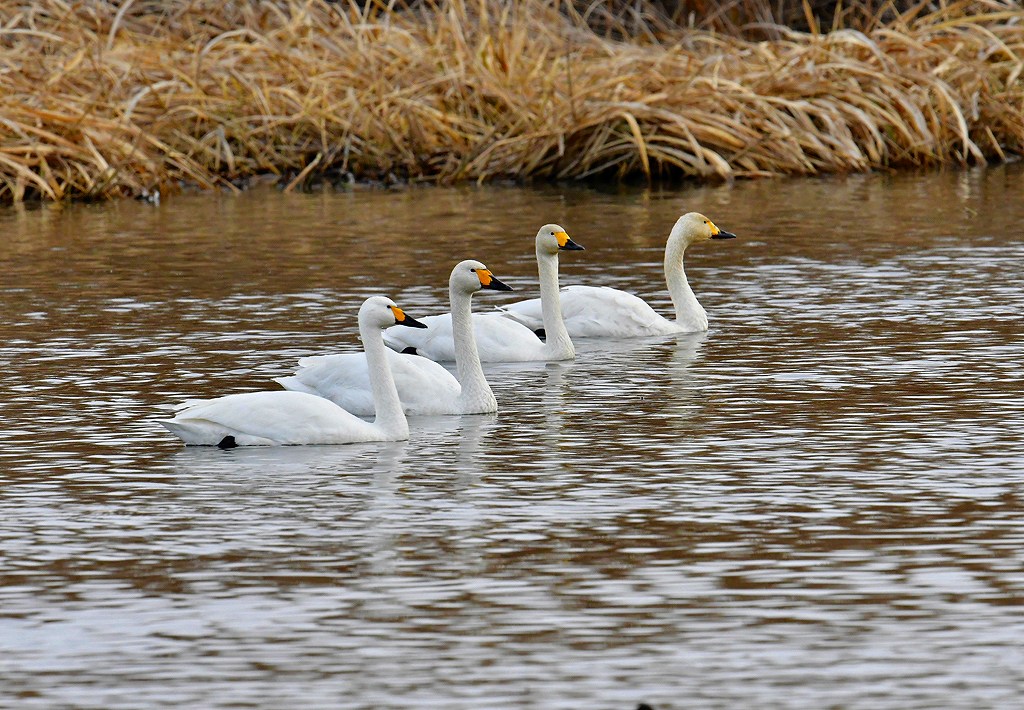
98	99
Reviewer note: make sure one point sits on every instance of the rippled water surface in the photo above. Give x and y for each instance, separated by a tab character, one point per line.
819	503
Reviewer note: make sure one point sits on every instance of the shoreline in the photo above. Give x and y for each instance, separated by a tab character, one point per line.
99	103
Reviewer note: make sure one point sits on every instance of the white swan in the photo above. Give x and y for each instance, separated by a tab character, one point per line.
424	387
501	339
601	311
275	418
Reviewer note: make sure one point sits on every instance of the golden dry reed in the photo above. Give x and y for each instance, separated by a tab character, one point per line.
103	99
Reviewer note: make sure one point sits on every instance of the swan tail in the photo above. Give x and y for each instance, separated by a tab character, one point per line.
395	343
294	384
193	433
525	313
202	432
188	404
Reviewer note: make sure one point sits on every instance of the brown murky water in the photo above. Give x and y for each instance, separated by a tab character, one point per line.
818	503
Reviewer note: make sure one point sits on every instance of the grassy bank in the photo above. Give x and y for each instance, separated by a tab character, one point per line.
103	99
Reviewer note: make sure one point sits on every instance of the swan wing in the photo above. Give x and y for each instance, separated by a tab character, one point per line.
601	311
527	312
270	418
424	387
434	342
344	379
596	312
498	339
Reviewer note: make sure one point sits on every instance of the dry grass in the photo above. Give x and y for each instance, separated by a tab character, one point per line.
100	100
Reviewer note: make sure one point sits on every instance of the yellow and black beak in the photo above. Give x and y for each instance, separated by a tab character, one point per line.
567	244
489	281
717	233
402	319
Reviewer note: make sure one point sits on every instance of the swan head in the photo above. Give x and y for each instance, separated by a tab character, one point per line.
551	239
694	227
470	276
381	312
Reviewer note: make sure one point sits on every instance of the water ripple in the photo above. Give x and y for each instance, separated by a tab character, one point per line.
817	503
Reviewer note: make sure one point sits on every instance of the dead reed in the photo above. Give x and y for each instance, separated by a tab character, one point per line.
100	100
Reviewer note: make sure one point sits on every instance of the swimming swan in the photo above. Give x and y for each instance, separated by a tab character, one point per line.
600	311
500	339
275	418
424	387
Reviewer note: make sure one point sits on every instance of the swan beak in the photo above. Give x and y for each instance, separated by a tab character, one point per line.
717	233
488	280
402	319
564	242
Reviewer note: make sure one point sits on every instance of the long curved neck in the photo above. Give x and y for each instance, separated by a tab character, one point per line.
689	312
390	416
476	393
556	336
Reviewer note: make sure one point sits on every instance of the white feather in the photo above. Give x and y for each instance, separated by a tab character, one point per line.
270	419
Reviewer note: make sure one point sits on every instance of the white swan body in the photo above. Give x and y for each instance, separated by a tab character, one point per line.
424	387
344	379
270	419
600	311
281	418
500	339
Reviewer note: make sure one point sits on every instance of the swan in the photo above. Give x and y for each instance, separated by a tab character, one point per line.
276	418
424	387
501	339
601	311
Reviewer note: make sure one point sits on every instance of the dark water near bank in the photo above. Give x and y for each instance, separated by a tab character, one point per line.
819	503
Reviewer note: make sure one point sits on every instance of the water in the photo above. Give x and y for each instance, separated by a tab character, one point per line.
816	504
